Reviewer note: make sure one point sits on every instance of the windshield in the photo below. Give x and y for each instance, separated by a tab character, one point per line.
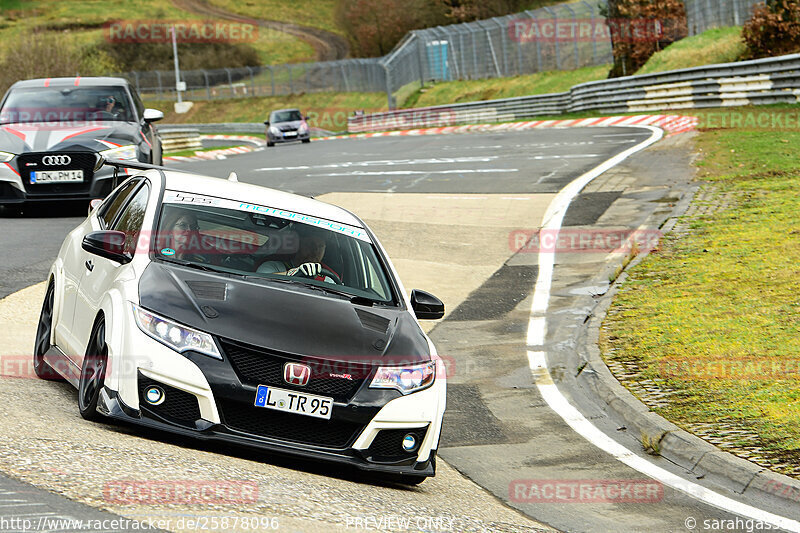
270	244
286	116
66	104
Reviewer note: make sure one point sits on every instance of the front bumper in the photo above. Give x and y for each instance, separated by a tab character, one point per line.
211	401
283	138
14	191
110	405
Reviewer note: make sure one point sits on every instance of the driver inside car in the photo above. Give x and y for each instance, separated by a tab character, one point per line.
307	261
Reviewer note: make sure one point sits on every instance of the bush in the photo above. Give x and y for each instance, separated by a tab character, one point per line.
40	55
774	29
630	53
158	56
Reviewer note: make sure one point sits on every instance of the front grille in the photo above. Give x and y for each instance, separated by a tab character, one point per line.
178	406
286	426
33	162
387	447
287	128
257	366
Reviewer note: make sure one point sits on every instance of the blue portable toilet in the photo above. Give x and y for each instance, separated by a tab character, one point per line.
437	60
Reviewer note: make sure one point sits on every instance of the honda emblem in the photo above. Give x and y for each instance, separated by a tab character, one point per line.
296	374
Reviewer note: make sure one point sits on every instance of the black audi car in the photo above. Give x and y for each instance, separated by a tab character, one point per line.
52	129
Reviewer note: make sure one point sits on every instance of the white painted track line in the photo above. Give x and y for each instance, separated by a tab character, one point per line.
537	360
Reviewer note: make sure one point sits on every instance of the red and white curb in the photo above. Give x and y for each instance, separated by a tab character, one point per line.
672	124
254	143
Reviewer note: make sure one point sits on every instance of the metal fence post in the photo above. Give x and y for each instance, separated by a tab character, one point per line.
594	41
389	97
538	49
503	44
518	40
555	36
474	54
574	29
345	80
252	81
272	79
208	85
230	82
736	13
291	82
136	81
160	89
420	59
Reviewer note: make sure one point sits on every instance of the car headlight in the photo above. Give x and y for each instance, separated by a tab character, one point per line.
303	128
179	338
274	130
406	379
6	157
121	152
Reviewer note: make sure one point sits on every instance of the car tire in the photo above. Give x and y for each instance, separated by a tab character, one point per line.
44	333
93	372
270	144
306	141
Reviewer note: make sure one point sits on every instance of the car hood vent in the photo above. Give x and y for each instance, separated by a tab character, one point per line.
208	290
373	321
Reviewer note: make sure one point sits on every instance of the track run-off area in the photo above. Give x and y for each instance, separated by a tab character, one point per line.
456	214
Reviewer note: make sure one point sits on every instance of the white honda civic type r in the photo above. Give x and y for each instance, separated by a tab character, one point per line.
231	312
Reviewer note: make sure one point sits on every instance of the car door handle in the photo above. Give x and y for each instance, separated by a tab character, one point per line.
89	265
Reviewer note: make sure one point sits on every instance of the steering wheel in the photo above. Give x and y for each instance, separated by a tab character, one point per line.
324	272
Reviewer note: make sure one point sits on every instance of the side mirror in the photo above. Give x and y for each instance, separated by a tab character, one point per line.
94	204
305	118
426	306
266	122
152	115
109	244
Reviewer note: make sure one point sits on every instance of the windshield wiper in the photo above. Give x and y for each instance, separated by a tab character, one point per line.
190	264
353	298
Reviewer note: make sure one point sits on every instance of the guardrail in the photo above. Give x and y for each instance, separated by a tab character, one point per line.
762	81
222	127
183	138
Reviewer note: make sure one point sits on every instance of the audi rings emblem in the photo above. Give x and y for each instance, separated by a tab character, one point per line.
56	160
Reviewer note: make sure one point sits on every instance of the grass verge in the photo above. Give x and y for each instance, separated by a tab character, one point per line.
717	45
452	92
713	315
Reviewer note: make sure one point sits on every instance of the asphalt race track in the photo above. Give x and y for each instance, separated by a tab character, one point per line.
449	209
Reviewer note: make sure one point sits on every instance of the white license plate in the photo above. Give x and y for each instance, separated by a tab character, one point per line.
290	134
49	176
290	401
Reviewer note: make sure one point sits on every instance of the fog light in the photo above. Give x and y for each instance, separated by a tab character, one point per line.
154	396
409	443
